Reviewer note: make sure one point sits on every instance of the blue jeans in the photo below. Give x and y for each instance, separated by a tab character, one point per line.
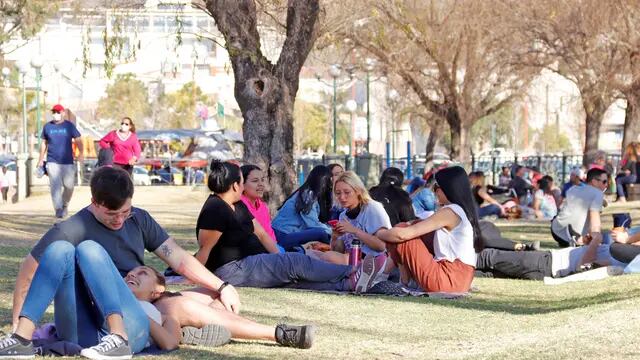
489	210
62	179
87	288
289	269
291	240
621	181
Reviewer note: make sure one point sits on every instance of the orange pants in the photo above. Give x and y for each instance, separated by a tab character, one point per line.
431	275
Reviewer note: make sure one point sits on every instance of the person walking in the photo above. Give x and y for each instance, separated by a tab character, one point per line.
57	136
124	144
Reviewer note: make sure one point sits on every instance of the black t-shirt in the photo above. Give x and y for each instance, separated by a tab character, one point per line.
125	246
238	239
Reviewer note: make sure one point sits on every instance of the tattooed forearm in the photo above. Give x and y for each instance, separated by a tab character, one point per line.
166	251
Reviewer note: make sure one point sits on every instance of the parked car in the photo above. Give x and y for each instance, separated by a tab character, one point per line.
141	176
11	171
162	176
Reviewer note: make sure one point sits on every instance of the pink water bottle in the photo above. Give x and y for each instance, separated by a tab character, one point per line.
356	253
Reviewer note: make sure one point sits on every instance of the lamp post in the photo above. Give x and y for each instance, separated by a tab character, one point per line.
334	71
6	83
393	98
369	66
37	63
23	68
352	106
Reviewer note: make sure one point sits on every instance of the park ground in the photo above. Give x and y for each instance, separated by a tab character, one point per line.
503	319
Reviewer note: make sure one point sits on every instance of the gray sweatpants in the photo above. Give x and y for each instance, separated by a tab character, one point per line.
62	179
286	270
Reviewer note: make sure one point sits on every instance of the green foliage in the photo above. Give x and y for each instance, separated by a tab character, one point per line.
23	18
550	140
311	126
178	109
127	96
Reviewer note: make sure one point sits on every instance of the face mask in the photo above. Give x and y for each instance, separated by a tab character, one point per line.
57	117
124	128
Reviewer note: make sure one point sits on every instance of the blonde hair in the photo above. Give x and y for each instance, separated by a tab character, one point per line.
350	178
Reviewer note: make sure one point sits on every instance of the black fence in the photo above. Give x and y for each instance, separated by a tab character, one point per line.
558	166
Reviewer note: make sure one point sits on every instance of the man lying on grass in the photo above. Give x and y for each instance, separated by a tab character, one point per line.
124	233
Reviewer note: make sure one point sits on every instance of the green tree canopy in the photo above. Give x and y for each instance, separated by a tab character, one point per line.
127	96
311	127
178	109
23	18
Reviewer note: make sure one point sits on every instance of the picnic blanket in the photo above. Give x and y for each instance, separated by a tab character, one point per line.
389	288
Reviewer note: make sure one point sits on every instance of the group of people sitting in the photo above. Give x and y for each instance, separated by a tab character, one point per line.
112	305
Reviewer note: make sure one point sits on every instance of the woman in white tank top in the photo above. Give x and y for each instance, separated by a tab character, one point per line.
439	253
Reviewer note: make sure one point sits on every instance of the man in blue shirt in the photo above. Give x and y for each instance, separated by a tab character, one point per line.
57	136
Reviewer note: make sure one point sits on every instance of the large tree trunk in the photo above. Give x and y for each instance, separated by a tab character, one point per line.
432	141
632	118
266	92
594	109
459	147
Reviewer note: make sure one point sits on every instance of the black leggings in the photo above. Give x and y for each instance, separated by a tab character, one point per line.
531	265
493	238
624	252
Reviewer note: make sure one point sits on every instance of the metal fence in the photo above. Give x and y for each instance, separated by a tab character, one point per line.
558	166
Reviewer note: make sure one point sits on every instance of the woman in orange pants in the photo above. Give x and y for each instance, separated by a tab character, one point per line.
448	265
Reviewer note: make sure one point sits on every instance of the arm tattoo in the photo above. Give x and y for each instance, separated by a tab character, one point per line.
166	251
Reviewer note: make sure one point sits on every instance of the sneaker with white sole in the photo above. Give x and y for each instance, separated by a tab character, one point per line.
210	335
112	346
300	337
369	273
12	348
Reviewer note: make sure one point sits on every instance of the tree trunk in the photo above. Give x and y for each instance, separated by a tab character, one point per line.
264	91
631	118
434	135
594	109
459	148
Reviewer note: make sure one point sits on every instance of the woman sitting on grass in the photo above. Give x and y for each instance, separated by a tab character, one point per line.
362	218
303	216
450	265
480	194
254	186
390	194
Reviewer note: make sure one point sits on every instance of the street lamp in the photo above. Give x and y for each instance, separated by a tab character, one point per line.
369	63
23	68
352	106
334	71
37	63
393	97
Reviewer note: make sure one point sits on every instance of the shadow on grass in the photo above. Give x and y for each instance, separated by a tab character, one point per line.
526	306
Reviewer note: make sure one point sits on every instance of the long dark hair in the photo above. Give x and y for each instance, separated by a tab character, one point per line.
454	182
223	175
390	194
317	187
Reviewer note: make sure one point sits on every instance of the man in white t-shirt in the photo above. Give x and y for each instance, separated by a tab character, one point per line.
579	214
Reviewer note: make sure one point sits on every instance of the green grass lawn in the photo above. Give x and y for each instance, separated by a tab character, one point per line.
504	319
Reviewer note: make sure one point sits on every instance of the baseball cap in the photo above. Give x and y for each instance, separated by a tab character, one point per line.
57	108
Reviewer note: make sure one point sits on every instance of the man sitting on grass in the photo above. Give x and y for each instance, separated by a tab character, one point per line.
125	232
579	214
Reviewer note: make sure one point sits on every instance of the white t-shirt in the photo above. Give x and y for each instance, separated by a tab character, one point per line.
457	243
575	209
372	217
565	261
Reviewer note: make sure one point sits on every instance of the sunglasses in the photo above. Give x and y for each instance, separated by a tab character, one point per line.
124	123
604	181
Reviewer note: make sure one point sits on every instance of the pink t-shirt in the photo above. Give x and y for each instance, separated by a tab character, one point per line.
261	213
123	150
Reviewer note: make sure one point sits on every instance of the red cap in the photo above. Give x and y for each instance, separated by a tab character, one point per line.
57	108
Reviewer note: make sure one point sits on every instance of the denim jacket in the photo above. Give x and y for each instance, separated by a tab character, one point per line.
288	220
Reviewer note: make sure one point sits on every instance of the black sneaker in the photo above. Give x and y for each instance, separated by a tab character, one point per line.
532	246
300	337
12	348
210	335
112	346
